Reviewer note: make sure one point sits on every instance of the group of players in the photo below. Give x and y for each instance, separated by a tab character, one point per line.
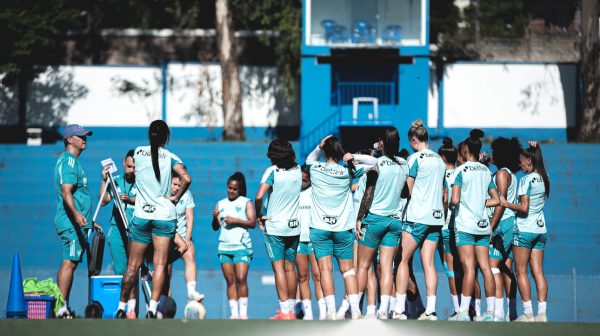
374	207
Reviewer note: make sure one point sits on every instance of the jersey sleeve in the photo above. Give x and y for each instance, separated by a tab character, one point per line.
175	160
313	157
458	179
413	166
359	172
190	201
492	185
268	176
67	172
525	187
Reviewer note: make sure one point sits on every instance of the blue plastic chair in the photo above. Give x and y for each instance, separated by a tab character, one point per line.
329	27
392	34
363	32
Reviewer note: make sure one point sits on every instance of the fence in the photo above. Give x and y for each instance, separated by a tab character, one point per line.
571	297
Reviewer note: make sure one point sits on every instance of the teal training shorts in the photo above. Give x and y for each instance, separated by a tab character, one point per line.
118	249
234	257
141	230
422	232
305	248
464	239
448	241
503	234
281	247
326	243
380	230
73	241
531	241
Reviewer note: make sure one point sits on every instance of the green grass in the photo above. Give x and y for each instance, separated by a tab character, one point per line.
85	327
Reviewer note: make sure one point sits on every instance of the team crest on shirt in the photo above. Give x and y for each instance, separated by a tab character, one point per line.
238	209
331	220
482	223
540	223
293	223
437	214
148	208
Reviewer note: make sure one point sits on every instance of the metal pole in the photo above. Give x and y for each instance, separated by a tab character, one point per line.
575	294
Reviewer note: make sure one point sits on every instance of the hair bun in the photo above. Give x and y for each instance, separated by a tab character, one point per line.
476	133
447	142
418	123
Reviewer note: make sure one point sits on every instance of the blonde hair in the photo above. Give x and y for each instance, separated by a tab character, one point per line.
419	131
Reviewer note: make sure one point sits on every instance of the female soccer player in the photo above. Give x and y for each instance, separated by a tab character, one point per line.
234	215
530	235
424	218
449	155
185	226
331	222
305	256
154	219
283	183
505	155
382	225
472	183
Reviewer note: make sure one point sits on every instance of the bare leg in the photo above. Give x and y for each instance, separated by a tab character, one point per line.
302	261
65	277
136	256
536	260
291	278
316	275
241	279
522	255
281	284
189	258
230	275
161	251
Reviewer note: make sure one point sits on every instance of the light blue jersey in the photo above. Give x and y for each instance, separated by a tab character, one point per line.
186	202
304	214
532	185
426	200
391	178
475	182
151	201
233	237
283	200
449	178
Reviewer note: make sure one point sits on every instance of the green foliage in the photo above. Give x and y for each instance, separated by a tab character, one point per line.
499	18
444	17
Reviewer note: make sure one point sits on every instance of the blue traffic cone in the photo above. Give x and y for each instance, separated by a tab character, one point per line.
15	307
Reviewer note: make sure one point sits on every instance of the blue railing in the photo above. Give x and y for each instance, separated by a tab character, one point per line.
310	140
385	92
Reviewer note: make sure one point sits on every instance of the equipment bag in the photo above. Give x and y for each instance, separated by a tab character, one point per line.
96	254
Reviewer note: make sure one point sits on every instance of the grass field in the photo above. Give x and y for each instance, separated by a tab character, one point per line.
288	328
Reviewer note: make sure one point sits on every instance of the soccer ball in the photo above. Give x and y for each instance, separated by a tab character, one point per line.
194	310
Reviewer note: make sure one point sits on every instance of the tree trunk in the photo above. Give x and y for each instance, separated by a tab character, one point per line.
589	125
233	125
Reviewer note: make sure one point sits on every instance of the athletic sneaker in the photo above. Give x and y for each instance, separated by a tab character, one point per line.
460	317
499	318
150	315
541	318
356	316
373	317
452	316
486	317
121	314
382	315
399	316
68	314
282	316
131	315
195	296
525	318
428	317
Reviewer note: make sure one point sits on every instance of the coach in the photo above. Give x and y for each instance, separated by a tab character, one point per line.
73	209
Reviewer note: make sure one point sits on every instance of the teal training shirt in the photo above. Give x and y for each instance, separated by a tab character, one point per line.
283	200
425	205
449	178
124	187
68	170
475	182
391	178
532	185
233	237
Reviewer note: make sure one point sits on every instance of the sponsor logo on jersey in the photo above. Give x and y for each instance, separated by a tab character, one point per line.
429	155
437	214
149	208
475	168
331	220
331	170
293	223
483	223
540	223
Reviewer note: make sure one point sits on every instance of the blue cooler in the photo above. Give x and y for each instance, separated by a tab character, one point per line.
106	289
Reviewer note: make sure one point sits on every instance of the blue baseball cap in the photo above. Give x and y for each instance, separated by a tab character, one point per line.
75	130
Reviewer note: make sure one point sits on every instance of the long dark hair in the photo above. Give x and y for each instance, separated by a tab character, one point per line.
473	142
391	143
537	160
332	148
506	153
281	153
241	180
158	134
448	150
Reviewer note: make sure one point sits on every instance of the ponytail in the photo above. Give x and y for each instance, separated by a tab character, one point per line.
448	150
473	142
332	148
537	160
418	131
391	143
158	134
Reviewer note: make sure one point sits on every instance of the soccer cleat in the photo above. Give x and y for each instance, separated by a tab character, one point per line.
283	316
460	317
131	315
150	315
67	314
382	315
486	317
195	296
399	316
341	314
428	317
525	318
120	314
356	316
372	317
541	318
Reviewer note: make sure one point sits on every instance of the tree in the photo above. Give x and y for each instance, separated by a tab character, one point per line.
497	18
589	126
233	124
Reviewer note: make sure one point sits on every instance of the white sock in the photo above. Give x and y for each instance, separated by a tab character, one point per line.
541	308
384	304
243	306
400	303
122	306
527	308
344	306
430	305
477	307
456	304
465	302
354	303
191	288
284	307
392	304
330	303
152	306
131	305
499	307
322	309
292	304
371	310
307	306
490	303
234	307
